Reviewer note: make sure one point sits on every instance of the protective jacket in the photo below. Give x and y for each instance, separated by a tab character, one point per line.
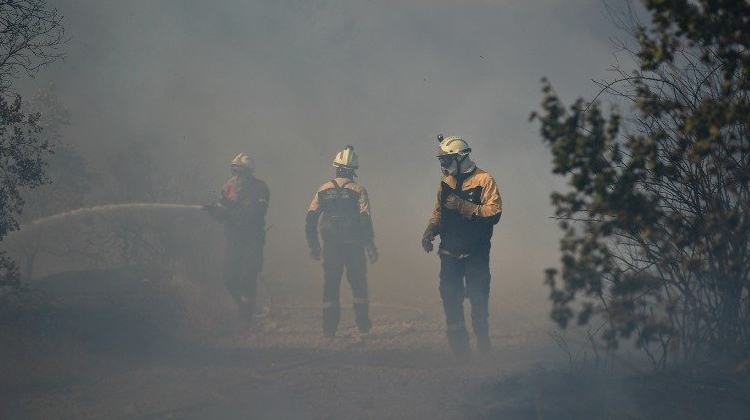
242	209
462	235
342	209
245	199
345	211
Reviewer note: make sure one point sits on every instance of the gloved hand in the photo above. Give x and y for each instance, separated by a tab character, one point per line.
427	238
466	209
372	252
315	253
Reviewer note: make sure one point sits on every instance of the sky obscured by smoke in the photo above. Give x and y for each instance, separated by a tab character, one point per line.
292	82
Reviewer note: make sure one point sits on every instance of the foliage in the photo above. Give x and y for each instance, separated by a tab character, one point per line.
69	179
30	35
67	169
22	156
657	238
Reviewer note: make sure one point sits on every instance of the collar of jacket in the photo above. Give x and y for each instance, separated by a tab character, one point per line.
460	178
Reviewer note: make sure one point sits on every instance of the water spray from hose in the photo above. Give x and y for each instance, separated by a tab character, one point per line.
109	208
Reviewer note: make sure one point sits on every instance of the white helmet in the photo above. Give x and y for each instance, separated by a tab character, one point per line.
243	161
453	154
453	145
346	158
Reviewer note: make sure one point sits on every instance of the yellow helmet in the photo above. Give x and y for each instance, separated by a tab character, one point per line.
243	161
453	145
346	158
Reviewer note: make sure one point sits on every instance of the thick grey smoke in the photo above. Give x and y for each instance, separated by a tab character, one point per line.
164	94
294	81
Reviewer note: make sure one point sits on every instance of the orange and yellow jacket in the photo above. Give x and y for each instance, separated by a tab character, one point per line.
343	209
461	236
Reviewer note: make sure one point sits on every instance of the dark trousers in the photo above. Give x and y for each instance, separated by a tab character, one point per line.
243	261
459	278
336	257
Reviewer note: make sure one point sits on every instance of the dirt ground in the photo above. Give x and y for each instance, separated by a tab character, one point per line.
138	347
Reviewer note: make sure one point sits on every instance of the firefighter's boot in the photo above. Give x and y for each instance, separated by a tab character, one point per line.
481	331
362	315
483	343
246	308
331	316
458	339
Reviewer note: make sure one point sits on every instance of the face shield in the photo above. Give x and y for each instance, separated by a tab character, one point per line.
240	171
448	163
455	163
451	164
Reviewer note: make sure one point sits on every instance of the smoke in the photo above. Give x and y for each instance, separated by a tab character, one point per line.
193	83
293	82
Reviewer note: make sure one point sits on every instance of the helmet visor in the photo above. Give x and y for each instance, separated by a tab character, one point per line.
446	160
239	168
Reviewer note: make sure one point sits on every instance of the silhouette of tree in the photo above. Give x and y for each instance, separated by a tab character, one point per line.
67	171
30	35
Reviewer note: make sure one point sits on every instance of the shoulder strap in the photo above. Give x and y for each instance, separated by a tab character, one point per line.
340	187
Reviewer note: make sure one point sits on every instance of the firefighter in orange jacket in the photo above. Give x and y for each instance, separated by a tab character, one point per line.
242	210
467	208
342	209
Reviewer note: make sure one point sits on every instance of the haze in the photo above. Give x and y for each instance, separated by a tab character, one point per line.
292	82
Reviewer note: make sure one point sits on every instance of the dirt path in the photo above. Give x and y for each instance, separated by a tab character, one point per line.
103	345
281	368
263	384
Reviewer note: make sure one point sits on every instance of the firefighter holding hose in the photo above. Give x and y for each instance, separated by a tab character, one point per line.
242	210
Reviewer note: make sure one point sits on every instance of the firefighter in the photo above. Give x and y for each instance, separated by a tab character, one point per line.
467	208
342	209
242	210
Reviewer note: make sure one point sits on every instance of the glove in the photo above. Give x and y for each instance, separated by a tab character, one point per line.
427	238
372	252
466	209
315	253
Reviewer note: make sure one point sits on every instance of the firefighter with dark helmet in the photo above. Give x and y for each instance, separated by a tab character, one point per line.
467	208
242	210
341	209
